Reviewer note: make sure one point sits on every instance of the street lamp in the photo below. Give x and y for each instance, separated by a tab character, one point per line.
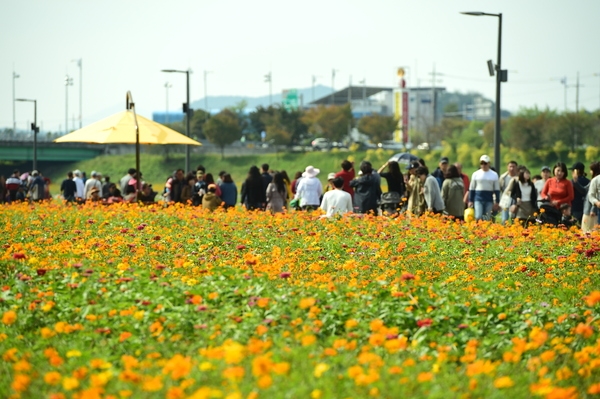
269	79
68	82
187	111
333	71
34	128
501	76
15	76
79	64
167	87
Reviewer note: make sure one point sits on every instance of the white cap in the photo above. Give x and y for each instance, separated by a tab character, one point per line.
93	173
77	172
484	158
331	176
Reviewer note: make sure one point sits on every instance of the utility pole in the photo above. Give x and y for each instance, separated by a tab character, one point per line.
167	87
433	101
14	76
206	91
80	65
314	80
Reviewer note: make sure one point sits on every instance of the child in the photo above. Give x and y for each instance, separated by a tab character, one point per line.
210	200
567	219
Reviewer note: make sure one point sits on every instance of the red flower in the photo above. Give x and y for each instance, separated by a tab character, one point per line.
240	247
424	323
407	276
18	255
41	272
285	275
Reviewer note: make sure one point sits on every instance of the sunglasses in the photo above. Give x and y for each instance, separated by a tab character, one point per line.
483	163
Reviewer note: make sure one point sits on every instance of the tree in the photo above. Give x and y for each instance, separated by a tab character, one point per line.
378	127
223	129
330	122
282	126
197	122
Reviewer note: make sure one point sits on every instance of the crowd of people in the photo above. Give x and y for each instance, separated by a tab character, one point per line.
515	194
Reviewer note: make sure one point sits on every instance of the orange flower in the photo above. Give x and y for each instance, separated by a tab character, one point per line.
152	384
9	317
503	382
20	382
424	377
593	298
584	330
52	377
124	335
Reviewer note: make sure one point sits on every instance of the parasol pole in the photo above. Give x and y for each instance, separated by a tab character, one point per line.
131	106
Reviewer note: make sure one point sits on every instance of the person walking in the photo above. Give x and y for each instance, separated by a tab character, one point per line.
431	191
593	196
229	191
337	201
506	183
276	194
525	196
453	191
253	190
580	189
483	190
309	189
558	190
366	190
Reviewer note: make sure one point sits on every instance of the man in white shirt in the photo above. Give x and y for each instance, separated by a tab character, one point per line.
92	182
79	193
337	201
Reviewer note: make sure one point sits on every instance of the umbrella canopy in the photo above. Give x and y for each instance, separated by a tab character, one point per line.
404	158
120	129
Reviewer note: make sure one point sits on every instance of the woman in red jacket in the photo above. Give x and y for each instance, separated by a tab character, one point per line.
559	189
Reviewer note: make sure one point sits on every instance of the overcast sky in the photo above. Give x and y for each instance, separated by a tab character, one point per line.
125	44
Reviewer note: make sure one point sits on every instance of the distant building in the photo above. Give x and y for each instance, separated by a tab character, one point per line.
170	117
364	100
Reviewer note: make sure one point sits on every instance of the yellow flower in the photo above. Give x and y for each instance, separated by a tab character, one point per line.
73	353
316	394
70	383
152	384
503	382
234	352
9	317
265	382
320	369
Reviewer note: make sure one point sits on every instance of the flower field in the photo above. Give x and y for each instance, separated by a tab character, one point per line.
151	302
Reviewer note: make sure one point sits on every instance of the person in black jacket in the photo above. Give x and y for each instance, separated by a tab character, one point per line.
253	192
366	189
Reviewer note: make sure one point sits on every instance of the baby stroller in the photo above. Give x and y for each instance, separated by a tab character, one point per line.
548	214
390	203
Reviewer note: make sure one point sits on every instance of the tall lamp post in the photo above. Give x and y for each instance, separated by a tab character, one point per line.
501	76
68	82
167	87
34	128
187	111
15	76
80	65
269	80
333	71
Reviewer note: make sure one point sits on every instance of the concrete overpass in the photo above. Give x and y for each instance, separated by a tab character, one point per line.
21	150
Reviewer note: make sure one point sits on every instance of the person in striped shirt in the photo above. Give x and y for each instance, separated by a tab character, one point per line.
484	190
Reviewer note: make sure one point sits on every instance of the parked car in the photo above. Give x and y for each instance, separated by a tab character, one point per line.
320	144
391	145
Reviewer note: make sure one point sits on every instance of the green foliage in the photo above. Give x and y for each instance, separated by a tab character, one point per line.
378	127
331	122
223	129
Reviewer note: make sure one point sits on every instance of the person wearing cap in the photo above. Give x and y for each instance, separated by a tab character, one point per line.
329	186
92	182
558	190
347	173
309	189
580	189
416	200
79	185
441	171
484	188
507	181
210	200
539	183
93	194
366	190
